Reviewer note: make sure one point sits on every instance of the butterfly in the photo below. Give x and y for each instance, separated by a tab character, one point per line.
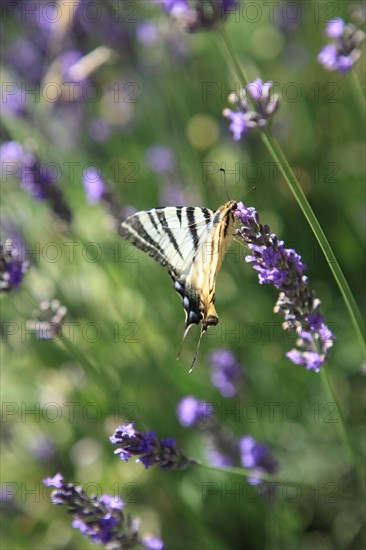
191	242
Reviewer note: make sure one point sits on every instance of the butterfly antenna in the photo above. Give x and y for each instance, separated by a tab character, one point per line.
224	172
250	190
197	349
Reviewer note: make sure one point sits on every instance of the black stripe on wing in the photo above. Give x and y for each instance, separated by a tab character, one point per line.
135	232
152	219
166	228
192	225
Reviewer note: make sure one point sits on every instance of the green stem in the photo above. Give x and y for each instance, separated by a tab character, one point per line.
232	54
341	426
278	156
270	478
243	472
358	92
295	187
79	356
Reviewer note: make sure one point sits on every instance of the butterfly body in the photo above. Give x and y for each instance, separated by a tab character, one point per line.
191	242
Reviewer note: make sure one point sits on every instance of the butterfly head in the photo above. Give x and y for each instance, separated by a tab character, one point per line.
211	321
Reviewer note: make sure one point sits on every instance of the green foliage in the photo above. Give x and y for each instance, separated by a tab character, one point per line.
115	358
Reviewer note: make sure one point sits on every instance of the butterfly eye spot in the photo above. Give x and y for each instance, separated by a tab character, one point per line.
178	287
186	302
193	317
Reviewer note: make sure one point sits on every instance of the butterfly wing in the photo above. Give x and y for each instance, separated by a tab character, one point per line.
191	242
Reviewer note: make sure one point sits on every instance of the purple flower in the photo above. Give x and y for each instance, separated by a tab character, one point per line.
173	195
99	129
43	448
149	449
219	459
240	124
160	159
100	519
93	184
341	54
55	481
335	28
174	5
147	33
48	319
199	14
283	268
11	151
189	411
153	543
254	112
38	180
226	372
13	266
256	456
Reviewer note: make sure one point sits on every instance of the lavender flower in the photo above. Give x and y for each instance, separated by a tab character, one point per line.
223	449
40	183
160	159
100	519
343	52
147	33
254	112
199	14
283	268
93	184
49	319
256	456
190	411
12	266
226	372
173	195
150	449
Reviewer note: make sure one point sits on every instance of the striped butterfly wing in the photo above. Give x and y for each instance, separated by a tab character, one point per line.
191	242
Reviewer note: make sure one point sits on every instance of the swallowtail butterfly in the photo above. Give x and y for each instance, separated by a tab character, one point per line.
191	242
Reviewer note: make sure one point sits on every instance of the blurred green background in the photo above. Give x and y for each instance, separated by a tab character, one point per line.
152	84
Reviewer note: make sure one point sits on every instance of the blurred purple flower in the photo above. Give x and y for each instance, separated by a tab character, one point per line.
93	184
189	411
49	319
335	28
99	129
240	123
256	456
219	459
38	180
288	17
101	519
160	159
246	118
13	266
147	33
43	448
199	14
149	449
173	195
152	543
11	151
283	268
223	449
341	54
226	372
128	210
